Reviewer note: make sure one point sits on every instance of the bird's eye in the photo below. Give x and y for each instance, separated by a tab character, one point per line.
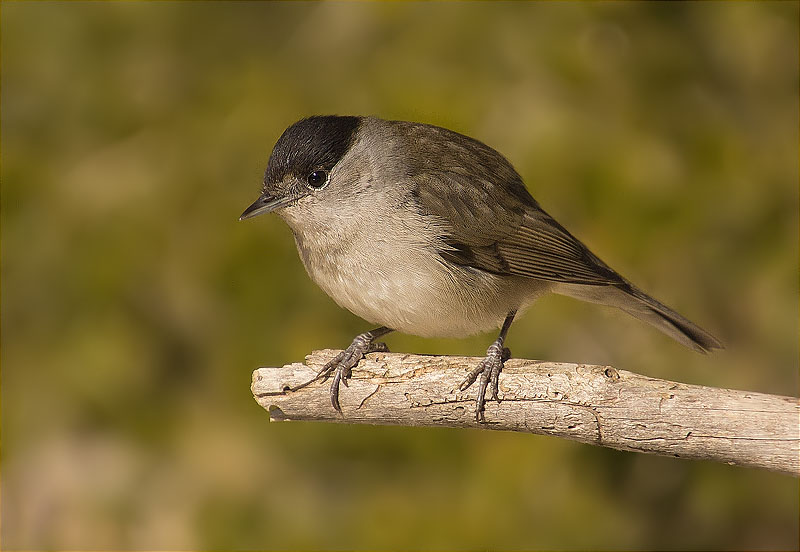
317	179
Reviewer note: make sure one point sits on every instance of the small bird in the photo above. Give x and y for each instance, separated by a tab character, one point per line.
426	231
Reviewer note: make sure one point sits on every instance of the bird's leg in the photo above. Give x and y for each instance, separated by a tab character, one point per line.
489	369
341	366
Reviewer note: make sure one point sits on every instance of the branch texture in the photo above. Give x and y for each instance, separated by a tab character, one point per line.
599	405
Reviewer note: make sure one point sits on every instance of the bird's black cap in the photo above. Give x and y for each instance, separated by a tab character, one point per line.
317	142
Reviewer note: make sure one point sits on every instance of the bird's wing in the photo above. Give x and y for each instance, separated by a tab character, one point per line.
502	229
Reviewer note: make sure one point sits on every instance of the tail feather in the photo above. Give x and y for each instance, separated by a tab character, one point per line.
640	305
670	322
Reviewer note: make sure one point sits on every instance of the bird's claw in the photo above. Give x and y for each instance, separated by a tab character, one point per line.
341	366
489	370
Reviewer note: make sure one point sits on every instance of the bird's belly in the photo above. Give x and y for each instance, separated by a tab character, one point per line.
412	291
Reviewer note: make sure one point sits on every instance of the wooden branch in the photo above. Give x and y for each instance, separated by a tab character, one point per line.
598	405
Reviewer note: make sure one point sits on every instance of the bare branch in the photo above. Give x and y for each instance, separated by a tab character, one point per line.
598	405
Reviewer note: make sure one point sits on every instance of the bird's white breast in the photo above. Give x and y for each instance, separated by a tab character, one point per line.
383	267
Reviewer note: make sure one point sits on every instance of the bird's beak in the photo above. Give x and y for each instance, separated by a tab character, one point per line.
265	204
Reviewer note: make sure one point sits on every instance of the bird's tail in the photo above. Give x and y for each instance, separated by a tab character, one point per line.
640	305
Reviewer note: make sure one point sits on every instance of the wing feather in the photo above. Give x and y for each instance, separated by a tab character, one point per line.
488	219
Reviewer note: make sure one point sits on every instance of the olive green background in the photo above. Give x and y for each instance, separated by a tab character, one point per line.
135	306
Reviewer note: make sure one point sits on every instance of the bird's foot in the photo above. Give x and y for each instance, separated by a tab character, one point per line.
341	366
489	370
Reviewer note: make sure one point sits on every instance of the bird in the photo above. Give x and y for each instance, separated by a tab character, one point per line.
419	229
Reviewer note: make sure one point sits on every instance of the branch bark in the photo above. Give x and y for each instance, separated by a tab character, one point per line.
599	405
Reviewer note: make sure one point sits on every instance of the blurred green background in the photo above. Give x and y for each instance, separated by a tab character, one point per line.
135	306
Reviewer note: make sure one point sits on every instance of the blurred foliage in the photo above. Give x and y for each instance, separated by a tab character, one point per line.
135	306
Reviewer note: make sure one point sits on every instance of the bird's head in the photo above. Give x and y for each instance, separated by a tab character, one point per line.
302	162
